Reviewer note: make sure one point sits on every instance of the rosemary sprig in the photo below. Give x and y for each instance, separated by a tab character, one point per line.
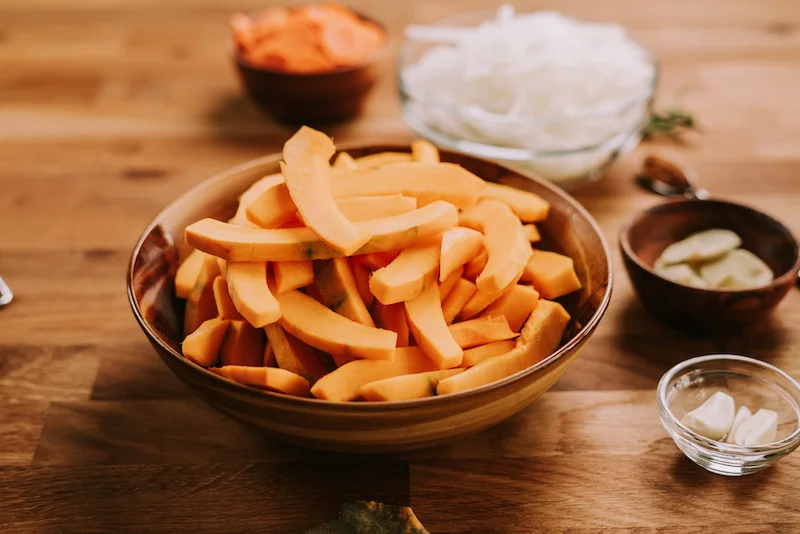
671	124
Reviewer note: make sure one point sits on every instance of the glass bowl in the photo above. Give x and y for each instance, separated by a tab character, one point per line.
532	144
751	383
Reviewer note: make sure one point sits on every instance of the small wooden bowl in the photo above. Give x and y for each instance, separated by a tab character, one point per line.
315	98
362	426
645	236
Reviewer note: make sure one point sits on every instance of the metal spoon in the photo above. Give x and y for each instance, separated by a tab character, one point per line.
670	179
667	178
6	296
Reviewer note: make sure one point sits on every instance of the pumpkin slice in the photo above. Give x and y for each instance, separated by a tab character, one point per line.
361	274
515	305
357	209
243	345
344	161
480	301
344	383
292	275
541	336
307	175
269	356
476	266
225	307
408	275
450	282
273	207
294	355
202	346
223	267
269	378
552	274
457	299
424	151
374	161
480	331
392	317
459	246
376	260
476	355
423	181
188	273
427	324
250	195
406	387
532	233
316	325
529	207
247	285
201	305
504	241
280	380
235	243
339	291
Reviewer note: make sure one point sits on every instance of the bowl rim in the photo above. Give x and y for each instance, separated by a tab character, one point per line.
512	154
365	407
501	118
726	448
377	56
779	281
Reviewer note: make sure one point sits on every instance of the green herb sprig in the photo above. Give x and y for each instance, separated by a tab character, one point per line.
671	124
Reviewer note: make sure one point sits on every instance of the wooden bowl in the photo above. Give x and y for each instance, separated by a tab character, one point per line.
361	426
644	237
315	98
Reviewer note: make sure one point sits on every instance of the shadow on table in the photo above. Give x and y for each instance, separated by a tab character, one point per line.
686	473
652	348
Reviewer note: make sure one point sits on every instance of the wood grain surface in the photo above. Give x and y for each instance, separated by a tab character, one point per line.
110	109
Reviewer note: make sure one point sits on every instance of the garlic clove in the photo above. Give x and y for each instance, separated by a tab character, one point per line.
702	246
714	418
758	429
741	414
680	274
739	269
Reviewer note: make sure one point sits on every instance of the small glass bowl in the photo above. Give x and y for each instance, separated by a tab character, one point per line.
531	144
751	383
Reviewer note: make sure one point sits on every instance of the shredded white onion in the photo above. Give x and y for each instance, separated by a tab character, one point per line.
541	81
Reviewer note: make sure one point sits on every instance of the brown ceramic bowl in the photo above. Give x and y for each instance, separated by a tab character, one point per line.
644	237
315	98
361	426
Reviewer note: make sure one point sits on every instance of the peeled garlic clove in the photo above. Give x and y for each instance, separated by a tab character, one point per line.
702	246
680	274
758	429
714	418
679	252
739	269
741	414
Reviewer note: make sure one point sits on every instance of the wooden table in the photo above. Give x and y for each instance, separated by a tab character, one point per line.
109	110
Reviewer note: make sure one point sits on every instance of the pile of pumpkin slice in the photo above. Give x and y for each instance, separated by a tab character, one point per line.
389	277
